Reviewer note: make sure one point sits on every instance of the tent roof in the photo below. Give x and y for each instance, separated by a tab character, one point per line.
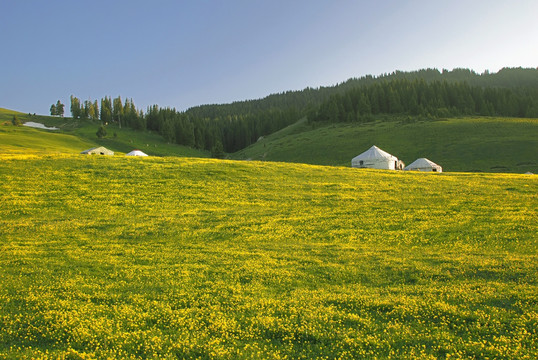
136	153
97	149
375	153
92	149
421	163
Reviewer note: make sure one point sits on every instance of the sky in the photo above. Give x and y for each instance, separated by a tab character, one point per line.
184	53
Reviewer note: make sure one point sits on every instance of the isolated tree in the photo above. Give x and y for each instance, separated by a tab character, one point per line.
101	132
53	110
16	121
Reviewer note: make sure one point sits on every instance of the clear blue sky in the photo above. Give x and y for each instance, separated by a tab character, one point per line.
192	52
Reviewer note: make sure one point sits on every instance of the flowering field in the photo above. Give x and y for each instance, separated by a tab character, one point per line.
115	257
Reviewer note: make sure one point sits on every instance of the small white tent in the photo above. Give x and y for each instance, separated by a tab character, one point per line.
424	164
101	150
136	153
375	158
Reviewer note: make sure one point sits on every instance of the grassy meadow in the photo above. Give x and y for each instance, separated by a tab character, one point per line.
77	135
116	257
481	144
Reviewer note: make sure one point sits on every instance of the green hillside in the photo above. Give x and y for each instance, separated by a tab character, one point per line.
511	92
424	94
427	93
77	135
26	139
116	257
484	144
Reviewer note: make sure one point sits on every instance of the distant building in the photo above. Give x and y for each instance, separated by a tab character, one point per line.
375	158
101	150
136	153
423	164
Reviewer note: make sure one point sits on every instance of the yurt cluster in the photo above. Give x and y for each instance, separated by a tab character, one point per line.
101	150
375	158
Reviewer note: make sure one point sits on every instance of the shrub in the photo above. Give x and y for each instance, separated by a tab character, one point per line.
101	132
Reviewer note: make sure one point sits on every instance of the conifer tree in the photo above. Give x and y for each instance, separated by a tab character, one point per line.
217	151
106	110
101	132
117	110
59	108
76	110
16	121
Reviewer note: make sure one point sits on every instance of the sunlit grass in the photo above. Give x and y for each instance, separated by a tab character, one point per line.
76	135
197	258
457	144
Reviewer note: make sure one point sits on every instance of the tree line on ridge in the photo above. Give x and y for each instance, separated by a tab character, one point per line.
232	127
434	99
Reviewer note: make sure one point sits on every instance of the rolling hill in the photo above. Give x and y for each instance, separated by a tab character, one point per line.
485	144
425	113
76	135
469	144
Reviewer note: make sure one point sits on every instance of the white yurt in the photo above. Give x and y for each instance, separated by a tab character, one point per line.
423	164
136	153
375	158
101	150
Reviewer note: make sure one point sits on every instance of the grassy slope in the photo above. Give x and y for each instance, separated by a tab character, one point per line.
77	135
197	258
128	139
25	139
468	144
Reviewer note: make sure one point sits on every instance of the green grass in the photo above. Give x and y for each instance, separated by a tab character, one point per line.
27	140
128	139
75	136
495	145
114	257
465	144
